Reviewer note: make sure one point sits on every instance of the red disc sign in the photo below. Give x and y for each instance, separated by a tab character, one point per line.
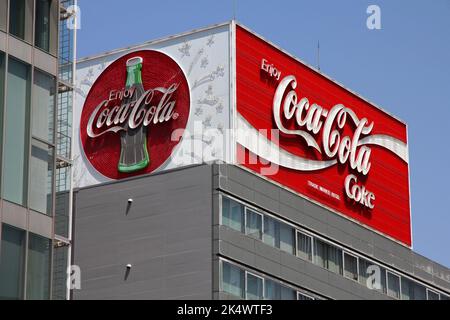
130	113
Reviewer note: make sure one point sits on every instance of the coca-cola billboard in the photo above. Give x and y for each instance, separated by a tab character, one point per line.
322	140
148	108
130	113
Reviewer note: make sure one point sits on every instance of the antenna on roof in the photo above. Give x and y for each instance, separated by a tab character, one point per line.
318	55
234	9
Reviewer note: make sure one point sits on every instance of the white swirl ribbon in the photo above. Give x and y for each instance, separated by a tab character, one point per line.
251	139
255	142
390	143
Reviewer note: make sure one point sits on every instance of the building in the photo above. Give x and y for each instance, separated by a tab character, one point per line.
36	93
186	189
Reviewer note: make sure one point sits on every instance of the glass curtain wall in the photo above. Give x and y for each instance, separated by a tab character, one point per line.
12	263
16	148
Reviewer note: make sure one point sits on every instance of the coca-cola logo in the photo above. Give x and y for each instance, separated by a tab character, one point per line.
312	123
311	119
130	113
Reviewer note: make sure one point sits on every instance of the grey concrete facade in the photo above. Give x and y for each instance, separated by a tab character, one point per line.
172	236
165	234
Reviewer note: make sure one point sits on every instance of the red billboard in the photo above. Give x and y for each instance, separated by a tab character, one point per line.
130	113
326	143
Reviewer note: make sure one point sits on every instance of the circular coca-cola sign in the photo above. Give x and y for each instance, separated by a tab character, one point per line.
130	113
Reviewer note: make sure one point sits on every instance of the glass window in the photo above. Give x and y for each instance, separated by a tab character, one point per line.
12	261
287	293
16	138
350	266
41	178
43	106
253	226
328	256
232	214
62	199
304	246
272	290
393	285
287	236
42	24
232	280
3	12
431	295
38	268
254	287
17	18
271	232
304	297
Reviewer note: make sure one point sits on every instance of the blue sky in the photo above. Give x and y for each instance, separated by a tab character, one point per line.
404	68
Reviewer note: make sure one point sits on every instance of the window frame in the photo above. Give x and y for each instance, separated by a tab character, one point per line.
221	213
245	223
304	294
430	290
221	289
246	281
33	106
399	284
297	231
344	252
28	26
27	125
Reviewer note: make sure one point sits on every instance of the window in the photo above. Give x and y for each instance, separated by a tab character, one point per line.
42	24
393	285
431	295
15	150
350	266
272	290
41	178
275	291
254	287
12	262
17	12
271	232
232	214
304	246
3	12
253	223
287	293
372	275
302	296
232	280
328	256
38	268
287	236
44	102
412	290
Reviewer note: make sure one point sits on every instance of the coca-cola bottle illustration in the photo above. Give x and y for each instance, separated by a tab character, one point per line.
133	152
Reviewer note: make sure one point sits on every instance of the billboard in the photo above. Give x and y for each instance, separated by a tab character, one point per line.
149	108
305	132
224	94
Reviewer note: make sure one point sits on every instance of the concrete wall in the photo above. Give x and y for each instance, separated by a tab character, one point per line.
165	234
285	204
